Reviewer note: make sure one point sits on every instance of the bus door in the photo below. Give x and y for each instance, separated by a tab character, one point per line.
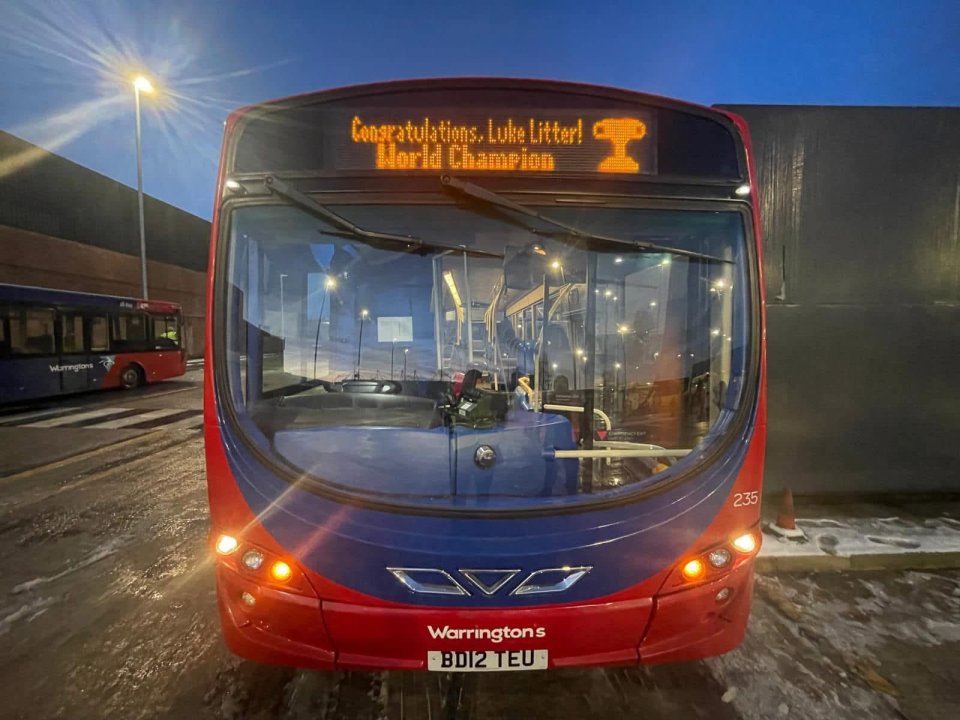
76	365
98	334
27	353
166	337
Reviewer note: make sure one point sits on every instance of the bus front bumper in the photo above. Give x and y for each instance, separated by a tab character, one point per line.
287	629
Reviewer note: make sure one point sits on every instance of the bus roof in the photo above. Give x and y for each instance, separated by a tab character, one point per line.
392	86
467	125
49	296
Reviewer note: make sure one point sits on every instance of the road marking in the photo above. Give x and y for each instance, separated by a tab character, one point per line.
14	419
77	417
108	418
168	420
152	395
143	439
133	419
187	423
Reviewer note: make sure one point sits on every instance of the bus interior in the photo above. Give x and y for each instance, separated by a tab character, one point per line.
634	353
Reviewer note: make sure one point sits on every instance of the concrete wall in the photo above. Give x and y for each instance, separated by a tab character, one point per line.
28	258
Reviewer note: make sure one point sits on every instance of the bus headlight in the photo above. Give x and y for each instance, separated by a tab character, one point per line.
259	565
226	544
252	559
712	563
720	557
745	543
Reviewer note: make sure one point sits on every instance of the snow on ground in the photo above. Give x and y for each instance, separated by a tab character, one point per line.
781	671
877	612
29	611
848	537
846	644
32	606
103	551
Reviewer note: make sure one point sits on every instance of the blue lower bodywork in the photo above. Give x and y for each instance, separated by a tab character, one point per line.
31	378
624	543
438	462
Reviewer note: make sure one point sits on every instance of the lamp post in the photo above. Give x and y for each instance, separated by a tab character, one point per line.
328	285
141	84
363	316
622	331
405	351
283	332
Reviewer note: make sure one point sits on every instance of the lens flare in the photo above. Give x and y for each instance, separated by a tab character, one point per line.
90	54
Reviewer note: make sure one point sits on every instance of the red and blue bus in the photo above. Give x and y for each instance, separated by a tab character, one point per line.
56	342
485	383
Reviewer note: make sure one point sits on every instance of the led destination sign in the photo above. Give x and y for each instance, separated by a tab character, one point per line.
472	127
548	142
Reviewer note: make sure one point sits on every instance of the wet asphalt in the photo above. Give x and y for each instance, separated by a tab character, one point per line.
107	610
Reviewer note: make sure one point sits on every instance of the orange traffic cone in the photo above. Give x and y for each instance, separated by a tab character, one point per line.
786	524
786	518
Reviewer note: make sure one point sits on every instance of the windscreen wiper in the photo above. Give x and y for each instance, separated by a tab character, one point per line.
492	198
411	243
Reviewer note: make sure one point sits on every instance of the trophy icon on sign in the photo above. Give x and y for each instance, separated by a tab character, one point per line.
619	132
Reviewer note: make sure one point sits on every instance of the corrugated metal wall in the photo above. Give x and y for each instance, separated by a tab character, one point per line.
861	215
48	194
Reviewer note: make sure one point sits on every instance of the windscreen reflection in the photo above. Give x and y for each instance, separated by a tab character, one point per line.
387	372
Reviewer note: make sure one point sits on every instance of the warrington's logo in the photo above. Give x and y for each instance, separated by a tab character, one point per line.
619	132
107	362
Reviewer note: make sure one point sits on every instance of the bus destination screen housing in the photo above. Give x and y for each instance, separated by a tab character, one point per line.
472	132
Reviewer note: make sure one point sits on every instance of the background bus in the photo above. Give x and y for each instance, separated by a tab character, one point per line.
571	451
54	342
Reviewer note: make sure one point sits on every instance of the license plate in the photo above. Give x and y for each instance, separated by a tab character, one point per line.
485	660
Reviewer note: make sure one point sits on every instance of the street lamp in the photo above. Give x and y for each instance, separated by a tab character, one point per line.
141	84
558	266
405	351
363	316
329	284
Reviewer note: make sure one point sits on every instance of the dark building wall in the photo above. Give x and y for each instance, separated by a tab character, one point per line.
64	226
861	222
28	258
48	194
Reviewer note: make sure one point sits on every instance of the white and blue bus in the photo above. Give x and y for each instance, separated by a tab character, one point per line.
56	342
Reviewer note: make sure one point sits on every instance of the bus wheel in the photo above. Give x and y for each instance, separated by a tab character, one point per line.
130	377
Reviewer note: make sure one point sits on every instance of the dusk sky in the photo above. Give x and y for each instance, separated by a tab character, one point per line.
63	65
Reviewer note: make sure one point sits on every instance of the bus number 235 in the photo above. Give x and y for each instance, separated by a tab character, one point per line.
746	498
